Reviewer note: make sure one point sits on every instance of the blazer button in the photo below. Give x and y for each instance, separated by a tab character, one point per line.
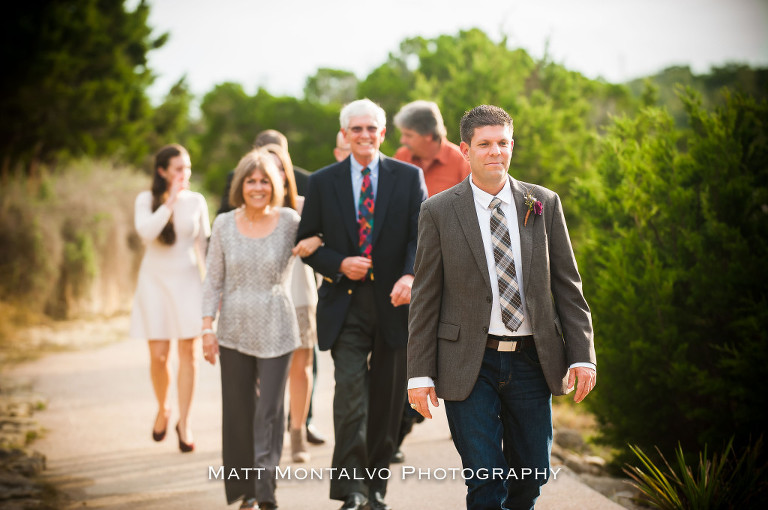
488	299
485	329
349	291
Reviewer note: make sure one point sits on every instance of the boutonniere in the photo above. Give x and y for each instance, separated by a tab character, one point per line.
533	205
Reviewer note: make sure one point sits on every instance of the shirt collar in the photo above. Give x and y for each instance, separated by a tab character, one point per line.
357	167
441	156
484	199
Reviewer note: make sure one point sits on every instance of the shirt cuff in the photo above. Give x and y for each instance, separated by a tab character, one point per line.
420	382
585	364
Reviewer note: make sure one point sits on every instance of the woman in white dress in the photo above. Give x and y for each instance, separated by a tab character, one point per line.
304	294
173	223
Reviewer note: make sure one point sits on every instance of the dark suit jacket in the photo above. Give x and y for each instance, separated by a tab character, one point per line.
329	209
451	296
302	180
301	175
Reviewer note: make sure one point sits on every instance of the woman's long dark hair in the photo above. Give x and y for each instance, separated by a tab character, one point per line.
160	187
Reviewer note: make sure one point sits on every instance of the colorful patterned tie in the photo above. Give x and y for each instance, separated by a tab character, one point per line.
509	291
365	217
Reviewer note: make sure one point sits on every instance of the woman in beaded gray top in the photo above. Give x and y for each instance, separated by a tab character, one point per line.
249	266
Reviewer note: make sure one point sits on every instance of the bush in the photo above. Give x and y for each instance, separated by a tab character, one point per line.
677	279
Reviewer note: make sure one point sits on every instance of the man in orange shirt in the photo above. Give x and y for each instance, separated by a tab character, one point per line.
424	144
422	135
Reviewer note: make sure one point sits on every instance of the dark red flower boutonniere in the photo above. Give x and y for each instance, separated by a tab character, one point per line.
533	205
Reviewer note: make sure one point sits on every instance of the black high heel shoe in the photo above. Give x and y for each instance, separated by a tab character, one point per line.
184	447
159	436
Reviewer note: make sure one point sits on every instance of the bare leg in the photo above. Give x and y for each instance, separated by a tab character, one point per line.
300	379
188	362
160	372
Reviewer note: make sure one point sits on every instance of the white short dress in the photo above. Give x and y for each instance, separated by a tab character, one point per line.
304	285
169	289
304	294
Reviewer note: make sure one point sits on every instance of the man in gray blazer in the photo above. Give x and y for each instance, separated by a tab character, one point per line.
498	321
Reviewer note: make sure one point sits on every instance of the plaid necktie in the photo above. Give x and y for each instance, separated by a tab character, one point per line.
365	215
509	291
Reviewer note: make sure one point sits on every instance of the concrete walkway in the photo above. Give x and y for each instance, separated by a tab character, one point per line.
100	453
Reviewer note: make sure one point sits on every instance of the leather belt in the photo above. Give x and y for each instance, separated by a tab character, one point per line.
508	343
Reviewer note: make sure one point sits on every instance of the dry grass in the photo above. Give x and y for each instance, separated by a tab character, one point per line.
32	340
67	239
567	414
14	320
68	249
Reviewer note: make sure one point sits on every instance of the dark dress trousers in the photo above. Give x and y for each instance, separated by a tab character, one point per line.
356	319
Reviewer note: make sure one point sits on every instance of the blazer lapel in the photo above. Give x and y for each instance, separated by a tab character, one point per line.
384	191
526	232
467	214
346	199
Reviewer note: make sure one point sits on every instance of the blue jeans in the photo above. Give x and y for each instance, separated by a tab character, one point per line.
506	424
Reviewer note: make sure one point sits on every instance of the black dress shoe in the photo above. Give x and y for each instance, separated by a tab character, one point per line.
355	501
267	506
314	436
249	504
377	502
398	457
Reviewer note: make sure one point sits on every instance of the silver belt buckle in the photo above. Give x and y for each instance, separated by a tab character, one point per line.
507	345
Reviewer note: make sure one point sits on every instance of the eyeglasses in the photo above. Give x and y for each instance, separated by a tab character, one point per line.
359	129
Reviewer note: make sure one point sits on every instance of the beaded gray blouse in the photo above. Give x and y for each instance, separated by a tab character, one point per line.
252	279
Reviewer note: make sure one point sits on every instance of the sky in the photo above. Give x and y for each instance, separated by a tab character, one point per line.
277	44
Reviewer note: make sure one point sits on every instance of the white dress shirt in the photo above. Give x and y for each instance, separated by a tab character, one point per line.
482	207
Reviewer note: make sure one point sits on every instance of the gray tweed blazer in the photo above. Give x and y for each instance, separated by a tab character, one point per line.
451	296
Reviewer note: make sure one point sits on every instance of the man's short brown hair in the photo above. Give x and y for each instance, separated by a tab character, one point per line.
481	116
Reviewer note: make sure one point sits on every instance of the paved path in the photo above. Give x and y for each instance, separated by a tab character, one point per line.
99	416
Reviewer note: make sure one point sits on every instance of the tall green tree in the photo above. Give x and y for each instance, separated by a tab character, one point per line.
733	76
557	112
228	132
74	80
231	119
331	86
677	276
170	121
